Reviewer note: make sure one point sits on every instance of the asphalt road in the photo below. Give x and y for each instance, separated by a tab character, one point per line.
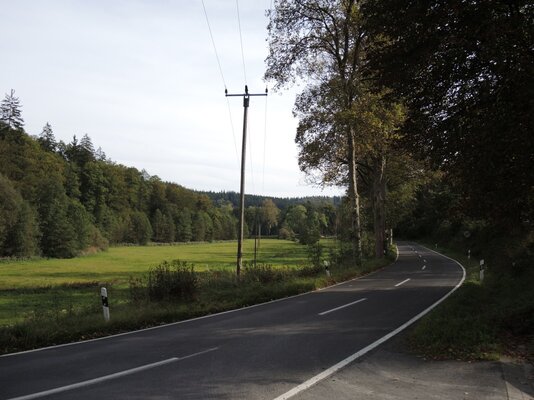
269	351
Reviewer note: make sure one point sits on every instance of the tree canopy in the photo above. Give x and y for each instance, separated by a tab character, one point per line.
465	69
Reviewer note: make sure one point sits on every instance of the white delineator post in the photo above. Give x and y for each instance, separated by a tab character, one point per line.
481	270
105	304
326	268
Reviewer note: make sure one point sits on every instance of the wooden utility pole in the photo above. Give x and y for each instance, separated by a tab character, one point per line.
246	97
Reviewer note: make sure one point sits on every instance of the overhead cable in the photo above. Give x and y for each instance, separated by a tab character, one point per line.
241	41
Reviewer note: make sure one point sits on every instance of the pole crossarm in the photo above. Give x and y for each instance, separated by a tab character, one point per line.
246	96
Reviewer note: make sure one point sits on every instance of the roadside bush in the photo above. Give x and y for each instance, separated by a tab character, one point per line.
172	281
217	279
309	271
263	273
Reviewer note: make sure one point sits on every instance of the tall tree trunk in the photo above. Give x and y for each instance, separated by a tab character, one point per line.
379	204
354	198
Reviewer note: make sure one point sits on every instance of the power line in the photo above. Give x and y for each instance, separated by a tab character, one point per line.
233	131
249	137
223	80
213	43
241	41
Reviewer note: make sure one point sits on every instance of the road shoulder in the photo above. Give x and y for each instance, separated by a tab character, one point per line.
391	372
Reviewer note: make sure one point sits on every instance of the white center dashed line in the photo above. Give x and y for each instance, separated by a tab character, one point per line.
402	283
343	306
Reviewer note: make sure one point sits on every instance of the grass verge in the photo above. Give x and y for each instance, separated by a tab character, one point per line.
480	321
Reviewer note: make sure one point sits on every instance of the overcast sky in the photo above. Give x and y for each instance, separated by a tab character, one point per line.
141	79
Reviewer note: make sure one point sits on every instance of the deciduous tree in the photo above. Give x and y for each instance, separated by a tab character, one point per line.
270	214
466	72
343	118
322	41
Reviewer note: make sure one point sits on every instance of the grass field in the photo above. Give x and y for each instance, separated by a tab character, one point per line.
45	302
119	263
33	288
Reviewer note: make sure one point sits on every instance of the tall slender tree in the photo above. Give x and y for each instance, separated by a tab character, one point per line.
10	111
339	110
322	42
47	139
270	214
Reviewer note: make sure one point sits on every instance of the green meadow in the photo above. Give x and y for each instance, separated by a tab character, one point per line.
117	264
32	288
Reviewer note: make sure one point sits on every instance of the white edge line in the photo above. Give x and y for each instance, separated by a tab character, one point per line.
326	373
343	306
107	377
198	318
403	282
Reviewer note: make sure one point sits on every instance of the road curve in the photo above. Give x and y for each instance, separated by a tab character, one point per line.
270	351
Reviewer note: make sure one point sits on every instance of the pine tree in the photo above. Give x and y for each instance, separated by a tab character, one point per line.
47	139
86	150
10	111
100	155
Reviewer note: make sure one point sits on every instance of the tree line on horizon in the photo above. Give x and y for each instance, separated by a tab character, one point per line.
62	199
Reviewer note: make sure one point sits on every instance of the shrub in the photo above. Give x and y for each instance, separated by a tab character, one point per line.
262	273
309	271
285	233
172	281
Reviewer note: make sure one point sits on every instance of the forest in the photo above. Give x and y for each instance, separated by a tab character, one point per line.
65	199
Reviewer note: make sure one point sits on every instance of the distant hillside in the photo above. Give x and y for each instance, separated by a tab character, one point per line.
281	202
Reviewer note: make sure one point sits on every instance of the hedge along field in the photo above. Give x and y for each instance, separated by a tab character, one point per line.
53	287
